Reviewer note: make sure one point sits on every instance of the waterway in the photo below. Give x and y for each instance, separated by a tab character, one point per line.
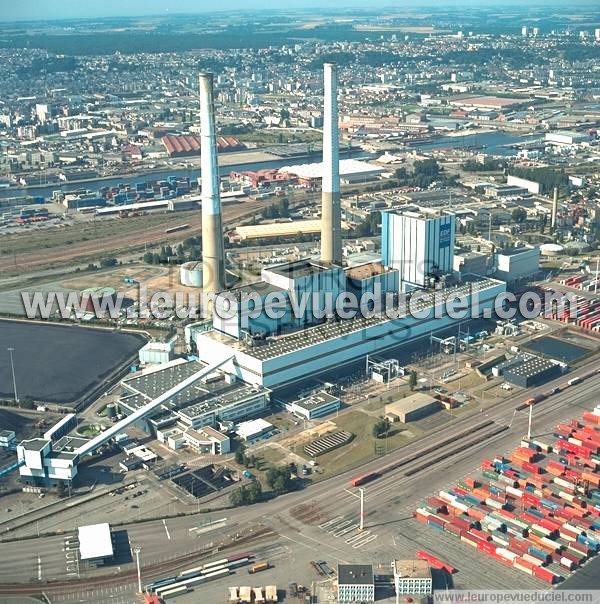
193	173
492	143
495	143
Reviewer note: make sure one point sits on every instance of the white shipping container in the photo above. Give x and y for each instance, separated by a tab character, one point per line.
541	529
561	482
447	497
460	506
532	559
567	563
506	554
573	528
516	492
568	496
493	503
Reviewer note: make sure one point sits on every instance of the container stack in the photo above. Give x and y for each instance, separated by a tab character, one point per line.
537	510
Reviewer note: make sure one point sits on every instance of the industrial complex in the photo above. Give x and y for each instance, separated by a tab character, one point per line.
300	307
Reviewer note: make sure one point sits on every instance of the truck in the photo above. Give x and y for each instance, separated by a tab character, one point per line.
234	596
258	595
245	594
258	567
271	593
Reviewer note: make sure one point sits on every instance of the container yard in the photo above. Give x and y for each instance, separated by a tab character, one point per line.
536	510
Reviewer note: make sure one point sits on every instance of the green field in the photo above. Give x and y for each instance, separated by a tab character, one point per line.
363	447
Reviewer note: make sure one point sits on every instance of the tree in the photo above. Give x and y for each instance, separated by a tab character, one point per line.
240	454
412	380
381	427
519	215
108	262
279	479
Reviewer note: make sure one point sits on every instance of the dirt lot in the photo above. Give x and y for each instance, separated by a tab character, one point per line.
106	236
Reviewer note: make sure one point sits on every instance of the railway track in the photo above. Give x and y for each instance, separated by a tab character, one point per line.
151	572
119	243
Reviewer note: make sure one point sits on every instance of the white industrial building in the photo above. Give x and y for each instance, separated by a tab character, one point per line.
217	398
351	170
279	360
516	264
420	247
530	185
253	429
566	138
157	353
8	439
314	406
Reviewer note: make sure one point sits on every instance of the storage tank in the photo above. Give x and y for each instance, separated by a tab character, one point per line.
111	411
97	297
190	274
551	249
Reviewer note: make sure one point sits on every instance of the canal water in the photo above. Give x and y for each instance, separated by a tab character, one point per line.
489	142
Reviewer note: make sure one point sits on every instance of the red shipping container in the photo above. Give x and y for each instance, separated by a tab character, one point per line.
544	574
531	499
480	534
590	417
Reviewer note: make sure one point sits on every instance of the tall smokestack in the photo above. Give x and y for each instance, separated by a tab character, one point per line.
554	207
213	263
331	213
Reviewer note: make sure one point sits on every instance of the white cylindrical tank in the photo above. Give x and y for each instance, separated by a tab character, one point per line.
190	274
551	249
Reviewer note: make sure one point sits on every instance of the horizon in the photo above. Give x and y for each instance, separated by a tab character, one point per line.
64	10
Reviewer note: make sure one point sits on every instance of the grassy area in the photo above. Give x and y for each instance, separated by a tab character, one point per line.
386	397
364	446
88	431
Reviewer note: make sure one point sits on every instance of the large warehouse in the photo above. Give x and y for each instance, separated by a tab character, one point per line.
351	170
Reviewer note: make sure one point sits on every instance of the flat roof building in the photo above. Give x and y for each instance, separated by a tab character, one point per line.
411	408
315	405
527	370
253	429
95	542
356	583
412	577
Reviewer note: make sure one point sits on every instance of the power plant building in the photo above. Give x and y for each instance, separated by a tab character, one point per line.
420	247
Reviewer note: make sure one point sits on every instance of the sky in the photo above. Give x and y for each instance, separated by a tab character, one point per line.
67	9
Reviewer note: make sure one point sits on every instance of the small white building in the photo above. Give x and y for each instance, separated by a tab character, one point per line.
207	440
315	405
95	542
157	353
412	577
253	429
8	439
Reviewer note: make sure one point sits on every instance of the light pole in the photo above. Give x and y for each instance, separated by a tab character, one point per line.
136	550
12	366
